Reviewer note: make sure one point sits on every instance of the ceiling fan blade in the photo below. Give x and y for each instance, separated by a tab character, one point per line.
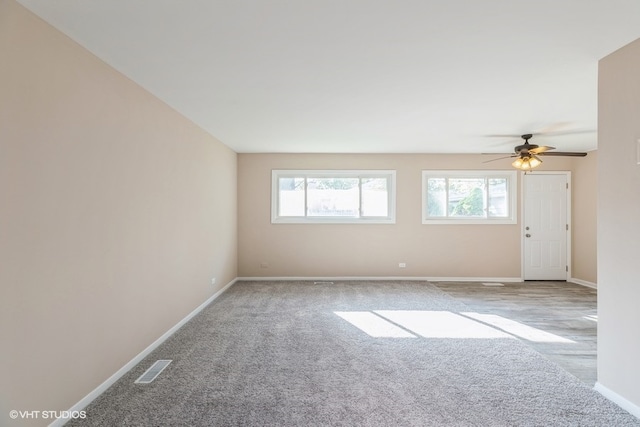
566	132
502	135
564	153
543	133
541	149
499	158
555	127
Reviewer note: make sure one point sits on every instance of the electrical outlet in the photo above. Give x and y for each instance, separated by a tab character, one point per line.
402	265
264	264
213	280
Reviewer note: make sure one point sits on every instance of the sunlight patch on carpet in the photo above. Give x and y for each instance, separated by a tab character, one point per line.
443	324
373	325
440	324
414	323
518	329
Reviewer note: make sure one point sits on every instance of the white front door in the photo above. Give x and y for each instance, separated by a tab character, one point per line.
545	226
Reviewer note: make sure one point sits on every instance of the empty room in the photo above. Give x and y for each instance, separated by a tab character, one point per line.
319	213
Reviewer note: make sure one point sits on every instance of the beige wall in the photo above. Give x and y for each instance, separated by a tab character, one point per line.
324	250
115	213
584	209
618	223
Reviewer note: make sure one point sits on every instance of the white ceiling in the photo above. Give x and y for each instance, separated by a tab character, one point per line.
363	76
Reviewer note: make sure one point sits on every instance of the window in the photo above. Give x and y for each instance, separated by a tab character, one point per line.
317	196
468	197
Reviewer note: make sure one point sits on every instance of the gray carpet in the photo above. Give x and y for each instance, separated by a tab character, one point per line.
278	354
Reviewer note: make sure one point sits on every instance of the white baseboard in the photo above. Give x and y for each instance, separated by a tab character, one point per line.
476	279
409	278
323	278
133	362
628	406
583	283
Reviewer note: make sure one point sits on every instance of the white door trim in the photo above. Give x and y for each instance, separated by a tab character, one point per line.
569	218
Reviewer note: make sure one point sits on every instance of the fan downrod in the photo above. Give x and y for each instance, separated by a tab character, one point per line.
524	148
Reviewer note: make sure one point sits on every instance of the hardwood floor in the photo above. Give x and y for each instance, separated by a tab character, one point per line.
565	310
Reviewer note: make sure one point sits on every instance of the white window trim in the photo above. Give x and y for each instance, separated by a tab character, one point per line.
512	178
311	173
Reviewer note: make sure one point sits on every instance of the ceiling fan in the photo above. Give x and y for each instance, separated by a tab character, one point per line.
527	155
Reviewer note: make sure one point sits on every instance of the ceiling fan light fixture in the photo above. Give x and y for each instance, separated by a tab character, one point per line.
526	163
534	161
517	163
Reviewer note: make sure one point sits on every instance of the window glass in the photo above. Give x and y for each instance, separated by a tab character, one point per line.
437	197
498	202
469	197
312	196
375	197
333	197
466	197
291	196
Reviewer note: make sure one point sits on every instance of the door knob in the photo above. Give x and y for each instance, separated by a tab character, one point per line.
527	235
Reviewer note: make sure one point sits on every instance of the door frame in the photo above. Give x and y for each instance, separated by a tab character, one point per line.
522	212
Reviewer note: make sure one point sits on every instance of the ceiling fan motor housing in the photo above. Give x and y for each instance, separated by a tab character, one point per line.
524	148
